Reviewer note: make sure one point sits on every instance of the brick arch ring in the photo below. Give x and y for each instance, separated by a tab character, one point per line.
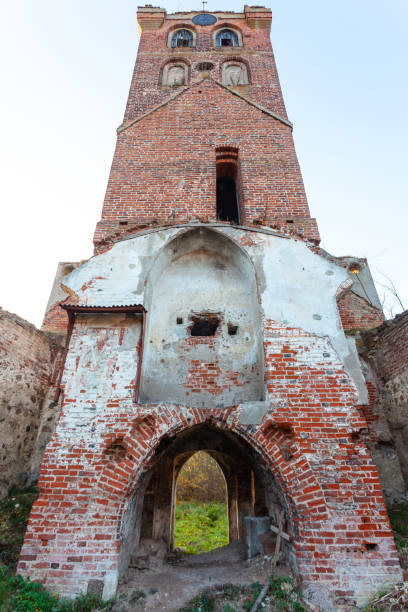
295	479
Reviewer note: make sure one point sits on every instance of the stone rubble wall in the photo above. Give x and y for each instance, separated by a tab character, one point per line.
385	353
29	364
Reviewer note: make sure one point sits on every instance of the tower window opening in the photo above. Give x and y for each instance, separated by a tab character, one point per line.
182	38
204	325
226	38
227	198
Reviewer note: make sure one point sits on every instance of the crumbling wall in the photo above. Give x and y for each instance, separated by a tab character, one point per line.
306	430
29	361
359	308
385	351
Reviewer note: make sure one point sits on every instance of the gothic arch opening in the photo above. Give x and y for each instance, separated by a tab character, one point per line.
201	504
252	492
203	343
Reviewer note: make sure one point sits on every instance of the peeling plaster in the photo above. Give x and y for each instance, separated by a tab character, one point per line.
297	287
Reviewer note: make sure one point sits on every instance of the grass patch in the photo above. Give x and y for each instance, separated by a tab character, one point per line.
14	512
200	527
399	521
19	594
398	515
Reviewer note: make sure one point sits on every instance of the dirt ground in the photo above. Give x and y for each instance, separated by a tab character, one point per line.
169	582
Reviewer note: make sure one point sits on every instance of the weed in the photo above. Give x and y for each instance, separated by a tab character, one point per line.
153	591
14	512
19	594
231	591
202	603
285	595
255	588
136	596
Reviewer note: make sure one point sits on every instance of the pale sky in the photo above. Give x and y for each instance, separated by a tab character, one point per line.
66	67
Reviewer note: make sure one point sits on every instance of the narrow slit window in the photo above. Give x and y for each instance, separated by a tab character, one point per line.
227	197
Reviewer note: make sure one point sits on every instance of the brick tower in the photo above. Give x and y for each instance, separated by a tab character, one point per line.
209	318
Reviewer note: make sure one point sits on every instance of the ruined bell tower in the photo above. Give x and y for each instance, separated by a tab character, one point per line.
209	318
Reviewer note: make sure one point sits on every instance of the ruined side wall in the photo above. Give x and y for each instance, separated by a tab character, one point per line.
28	365
385	351
357	313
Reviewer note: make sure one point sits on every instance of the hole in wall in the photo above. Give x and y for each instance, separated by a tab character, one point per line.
116	451
354	268
204	325
123	222
370	546
204	67
67	269
289	221
179	320
232	329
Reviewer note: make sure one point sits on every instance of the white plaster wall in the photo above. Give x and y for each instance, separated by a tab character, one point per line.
101	366
297	287
202	272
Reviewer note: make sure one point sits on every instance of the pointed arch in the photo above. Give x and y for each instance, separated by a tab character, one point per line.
204	341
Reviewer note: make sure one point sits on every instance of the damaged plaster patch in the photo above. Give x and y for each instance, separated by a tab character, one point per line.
252	413
110	584
117	277
347	353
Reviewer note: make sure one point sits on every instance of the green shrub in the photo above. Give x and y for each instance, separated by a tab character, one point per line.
200	527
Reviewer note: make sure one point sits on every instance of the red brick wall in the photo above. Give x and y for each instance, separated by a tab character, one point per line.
155	151
164	168
336	510
391	350
357	313
55	319
153	53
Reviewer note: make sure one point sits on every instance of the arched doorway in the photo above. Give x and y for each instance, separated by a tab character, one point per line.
252	490
201	506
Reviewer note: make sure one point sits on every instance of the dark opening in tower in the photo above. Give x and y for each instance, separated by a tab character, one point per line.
227	173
